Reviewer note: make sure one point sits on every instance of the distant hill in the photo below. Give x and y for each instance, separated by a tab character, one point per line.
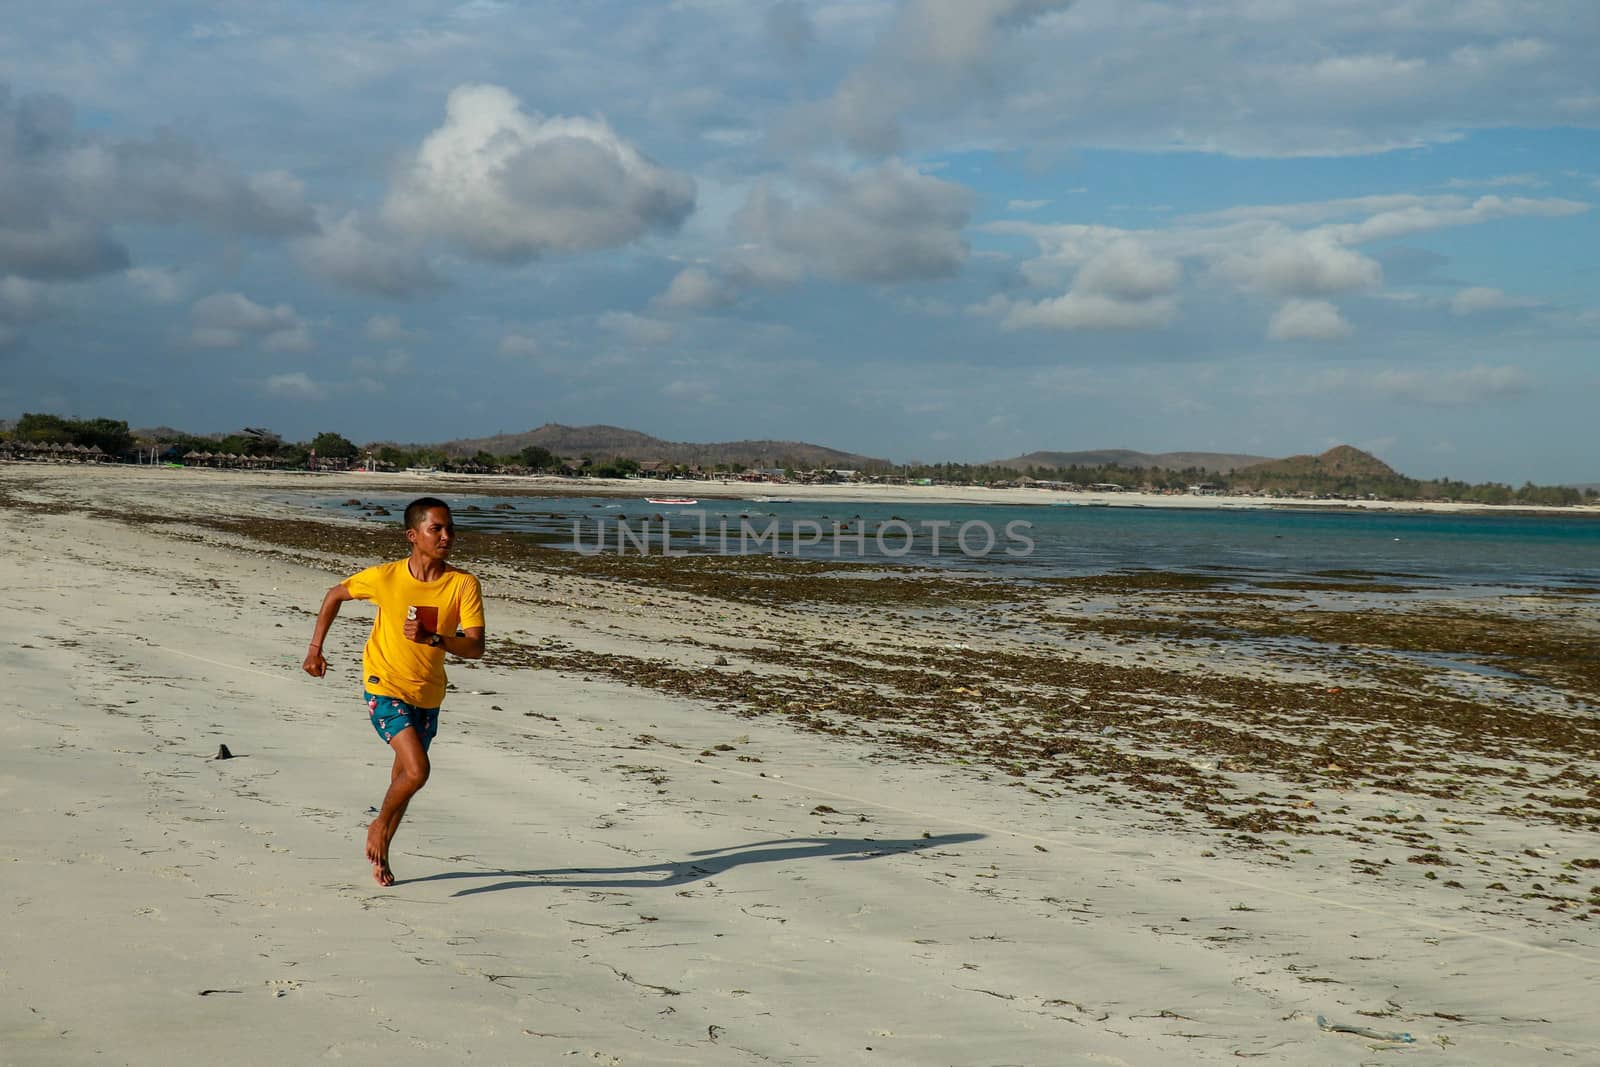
1216	462
606	442
1339	467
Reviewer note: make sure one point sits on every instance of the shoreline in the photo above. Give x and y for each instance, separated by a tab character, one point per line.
546	485
1117	819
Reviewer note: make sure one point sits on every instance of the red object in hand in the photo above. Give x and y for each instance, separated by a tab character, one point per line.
427	616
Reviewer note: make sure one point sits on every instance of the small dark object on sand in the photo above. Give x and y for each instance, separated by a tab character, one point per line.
223	753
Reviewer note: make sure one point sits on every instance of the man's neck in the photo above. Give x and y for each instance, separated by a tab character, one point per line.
424	569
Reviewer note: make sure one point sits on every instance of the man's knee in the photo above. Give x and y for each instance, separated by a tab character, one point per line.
415	773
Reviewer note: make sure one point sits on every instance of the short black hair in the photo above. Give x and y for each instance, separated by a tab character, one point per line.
420	507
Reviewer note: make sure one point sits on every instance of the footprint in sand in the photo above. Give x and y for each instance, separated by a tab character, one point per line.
282	987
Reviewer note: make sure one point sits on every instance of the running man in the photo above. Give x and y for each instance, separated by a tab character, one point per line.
421	601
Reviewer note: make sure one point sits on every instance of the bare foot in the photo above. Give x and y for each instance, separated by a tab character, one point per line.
377	855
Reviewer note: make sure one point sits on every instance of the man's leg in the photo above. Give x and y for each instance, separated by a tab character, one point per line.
410	773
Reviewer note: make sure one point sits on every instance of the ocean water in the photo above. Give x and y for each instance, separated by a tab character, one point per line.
1434	549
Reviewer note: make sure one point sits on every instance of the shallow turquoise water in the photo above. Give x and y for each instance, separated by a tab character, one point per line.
1510	549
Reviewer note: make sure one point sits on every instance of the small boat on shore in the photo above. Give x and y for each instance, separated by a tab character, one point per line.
670	500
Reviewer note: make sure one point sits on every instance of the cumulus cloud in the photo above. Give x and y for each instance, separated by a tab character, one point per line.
1300	264
694	289
1308	320
1121	286
1476	299
888	223
358	254
232	320
1128	270
508	186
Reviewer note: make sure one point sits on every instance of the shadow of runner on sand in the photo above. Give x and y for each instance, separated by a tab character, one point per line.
704	864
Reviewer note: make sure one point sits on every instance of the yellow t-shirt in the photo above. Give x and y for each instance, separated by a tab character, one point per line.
410	670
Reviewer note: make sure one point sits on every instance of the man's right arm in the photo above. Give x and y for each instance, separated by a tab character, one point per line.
314	664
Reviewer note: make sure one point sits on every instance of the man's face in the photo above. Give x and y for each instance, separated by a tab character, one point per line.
434	535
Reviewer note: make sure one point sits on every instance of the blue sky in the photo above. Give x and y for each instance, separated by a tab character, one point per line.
920	229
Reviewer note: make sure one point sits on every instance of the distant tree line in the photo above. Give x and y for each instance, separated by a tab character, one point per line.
115	439
1388	486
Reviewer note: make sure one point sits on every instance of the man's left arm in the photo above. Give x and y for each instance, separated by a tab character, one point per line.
468	644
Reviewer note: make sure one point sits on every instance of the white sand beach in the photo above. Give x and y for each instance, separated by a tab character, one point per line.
601	872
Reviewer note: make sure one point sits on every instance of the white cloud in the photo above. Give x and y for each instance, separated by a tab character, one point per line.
1083	310
296	385
508	186
1283	261
1480	298
1027	205
358	254
518	344
1308	320
1300	252
695	289
1119	284
888	223
1128	270
231	320
1441	212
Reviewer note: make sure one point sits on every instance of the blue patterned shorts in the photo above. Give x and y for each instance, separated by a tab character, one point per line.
390	715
